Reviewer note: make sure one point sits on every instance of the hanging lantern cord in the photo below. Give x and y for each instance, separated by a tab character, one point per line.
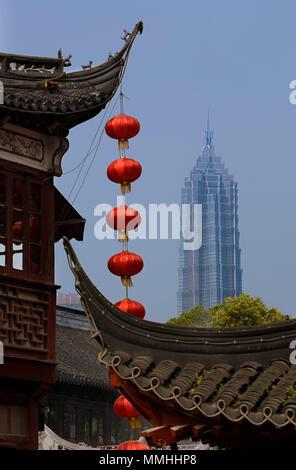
125	243
122	152
121	99
122	147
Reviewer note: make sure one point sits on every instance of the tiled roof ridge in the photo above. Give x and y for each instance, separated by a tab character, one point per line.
67	377
249	393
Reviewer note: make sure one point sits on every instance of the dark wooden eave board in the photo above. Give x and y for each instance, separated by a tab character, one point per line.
67	220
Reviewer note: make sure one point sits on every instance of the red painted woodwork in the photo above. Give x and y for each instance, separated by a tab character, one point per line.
114	379
34	229
27	300
18	231
26	223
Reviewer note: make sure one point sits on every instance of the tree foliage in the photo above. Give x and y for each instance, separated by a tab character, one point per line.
240	311
243	310
198	317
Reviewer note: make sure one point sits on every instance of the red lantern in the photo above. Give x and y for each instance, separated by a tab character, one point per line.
132	445
125	264
17	230
123	218
124	409
122	128
132	307
124	171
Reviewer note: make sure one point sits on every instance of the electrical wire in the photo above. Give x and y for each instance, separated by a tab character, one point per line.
95	153
82	163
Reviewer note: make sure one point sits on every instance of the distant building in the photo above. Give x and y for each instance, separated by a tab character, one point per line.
208	275
70	300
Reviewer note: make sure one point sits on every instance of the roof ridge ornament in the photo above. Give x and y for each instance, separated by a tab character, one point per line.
126	35
87	66
66	61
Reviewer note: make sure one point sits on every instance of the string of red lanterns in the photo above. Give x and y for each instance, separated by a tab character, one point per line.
125	264
124	171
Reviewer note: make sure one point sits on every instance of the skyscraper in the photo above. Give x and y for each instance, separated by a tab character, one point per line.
207	275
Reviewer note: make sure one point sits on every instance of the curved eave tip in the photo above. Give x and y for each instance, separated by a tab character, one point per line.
140	27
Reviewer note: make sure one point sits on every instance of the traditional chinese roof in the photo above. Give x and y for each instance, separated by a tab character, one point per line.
194	375
39	94
76	352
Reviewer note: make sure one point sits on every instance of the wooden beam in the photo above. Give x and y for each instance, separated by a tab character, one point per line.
200	429
181	431
162	436
159	436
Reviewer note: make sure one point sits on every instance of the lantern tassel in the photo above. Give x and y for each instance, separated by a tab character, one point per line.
122	236
123	144
134	423
125	187
126	281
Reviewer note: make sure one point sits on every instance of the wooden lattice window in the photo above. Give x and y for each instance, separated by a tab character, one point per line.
23	230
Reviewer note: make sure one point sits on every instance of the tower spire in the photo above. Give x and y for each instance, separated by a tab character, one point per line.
209	134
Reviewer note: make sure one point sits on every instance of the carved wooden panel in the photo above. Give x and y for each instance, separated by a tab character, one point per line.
21	145
24	318
33	149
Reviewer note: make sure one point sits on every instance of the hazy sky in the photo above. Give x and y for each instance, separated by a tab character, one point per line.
234	56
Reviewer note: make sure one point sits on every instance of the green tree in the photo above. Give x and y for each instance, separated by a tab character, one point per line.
198	317
243	310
